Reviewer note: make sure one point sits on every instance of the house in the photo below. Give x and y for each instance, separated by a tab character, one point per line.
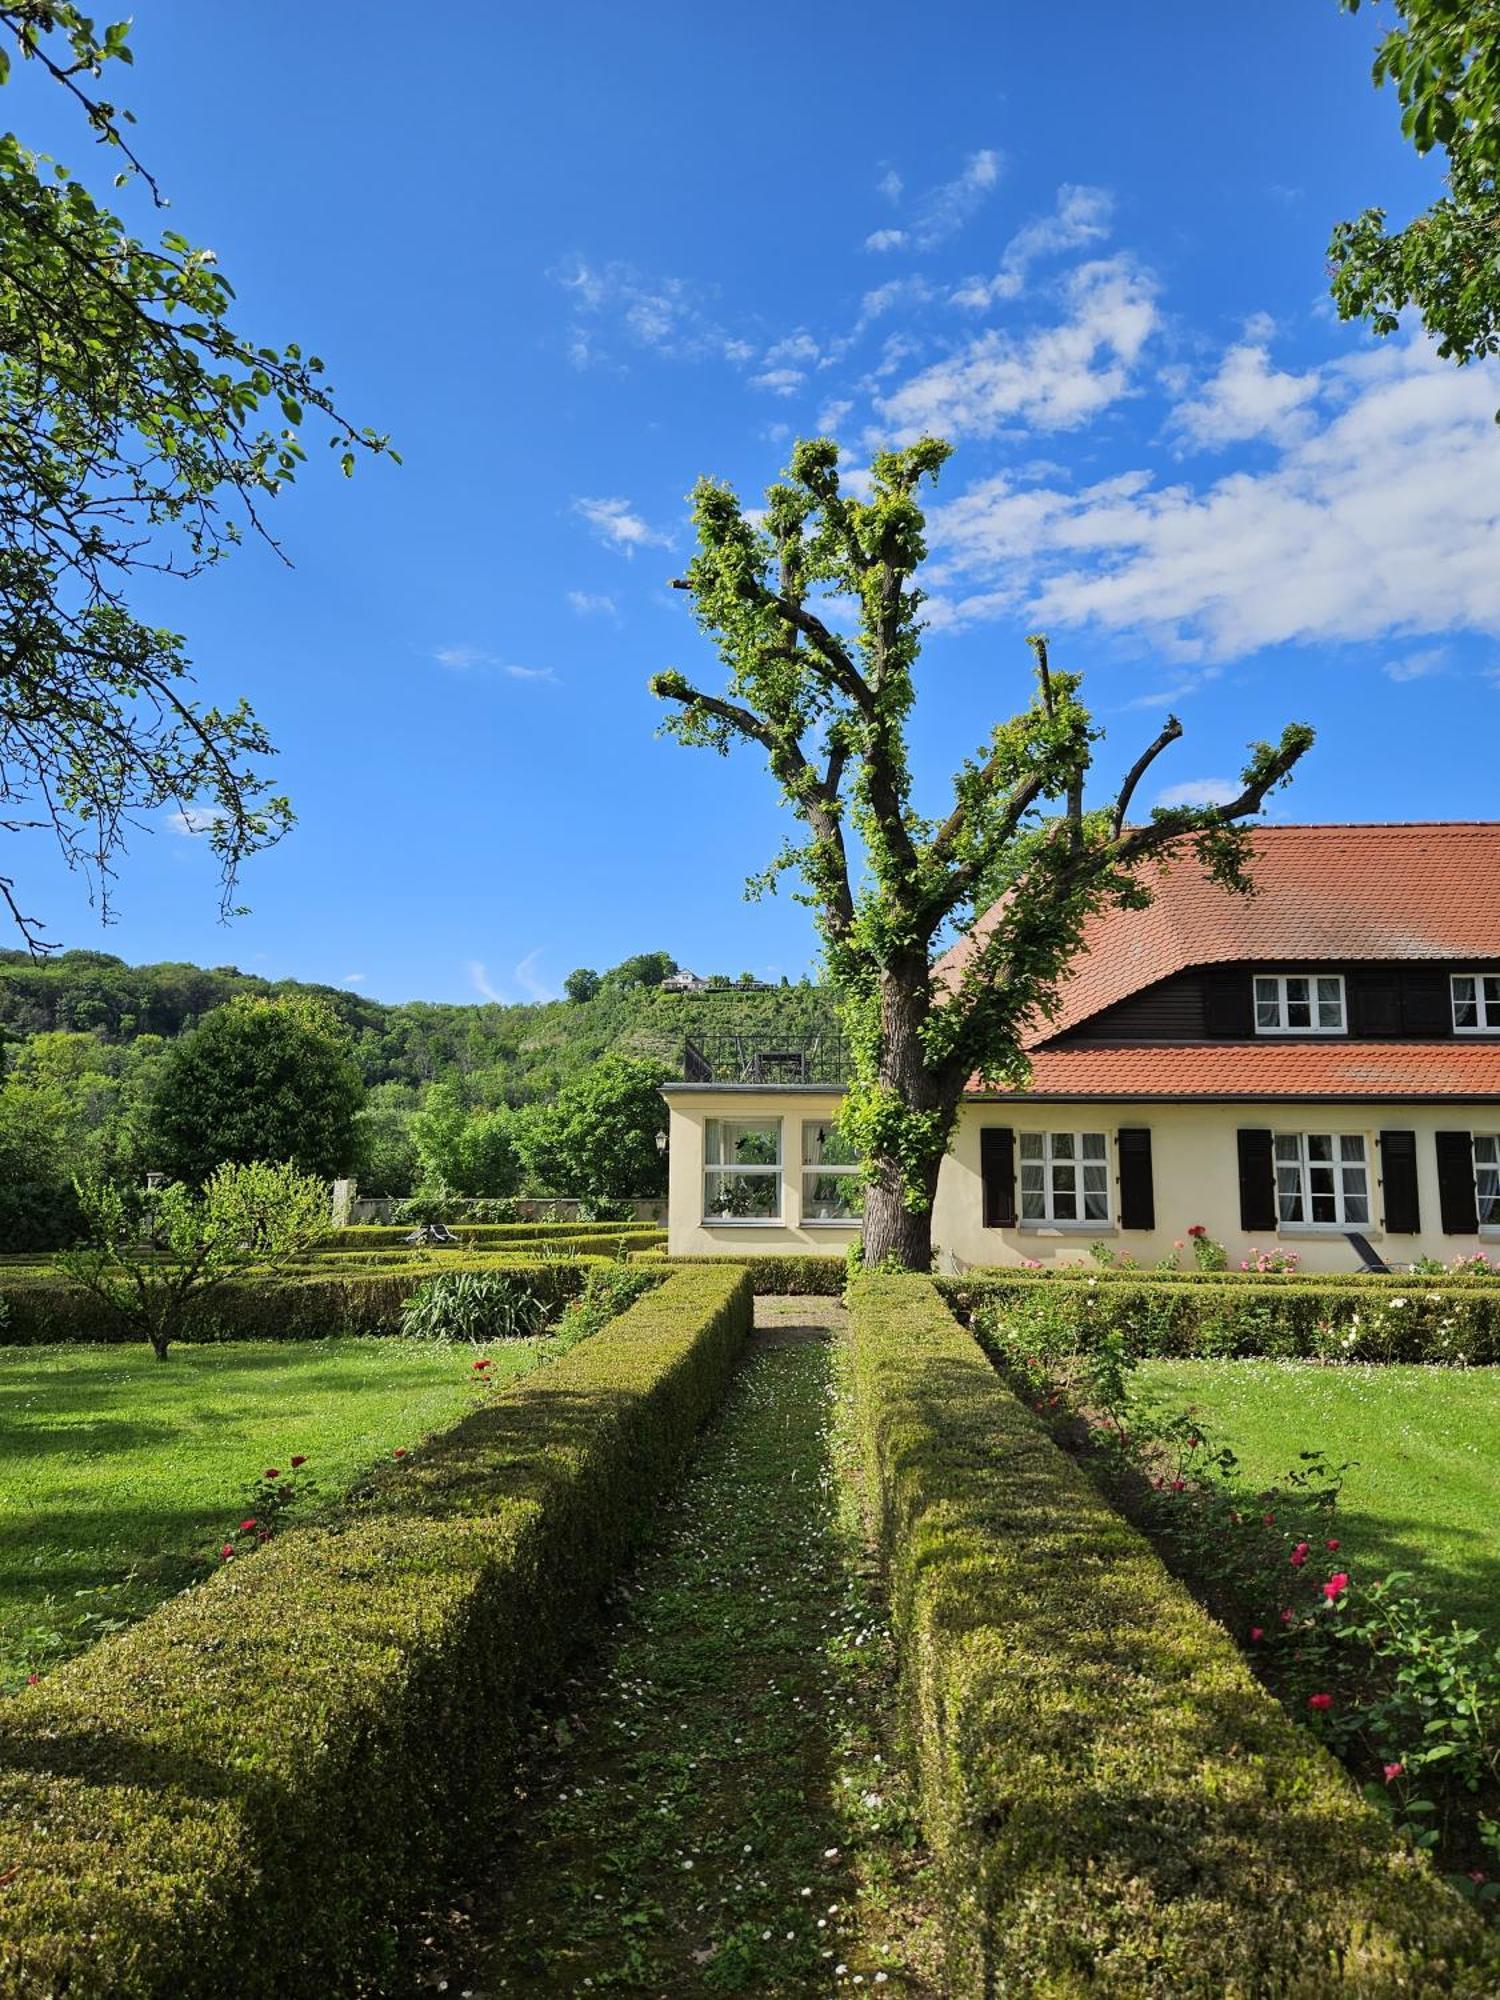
683	981
1287	1070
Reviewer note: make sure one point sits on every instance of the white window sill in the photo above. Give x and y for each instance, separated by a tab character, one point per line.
833	1222
743	1222
1326	1232
1067	1228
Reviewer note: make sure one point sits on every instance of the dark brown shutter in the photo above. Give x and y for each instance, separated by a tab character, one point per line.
1137	1201
997	1170
1456	1200
1374	1002
1398	1178
1229	1004
1426	1002
1257	1179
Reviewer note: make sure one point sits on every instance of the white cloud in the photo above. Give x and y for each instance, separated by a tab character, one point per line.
462	658
1080	216
1200	792
779	381
479	979
617	525
529	673
890	185
1383	519
592	603
668	315
1248	398
942	211
832	415
355	978
523	975
193	821
1052	379
1417	666
526	977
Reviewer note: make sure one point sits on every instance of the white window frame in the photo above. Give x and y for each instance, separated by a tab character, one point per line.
1049	1161
773	1173
1341	1192
1313	1000
1488	1165
820	1170
1486	1012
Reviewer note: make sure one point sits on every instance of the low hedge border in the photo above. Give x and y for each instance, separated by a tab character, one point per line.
320	1307
799	1276
1423	1322
1075	1274
1115	1805
229	1797
392	1236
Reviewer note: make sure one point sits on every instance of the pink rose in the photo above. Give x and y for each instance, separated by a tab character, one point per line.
1336	1586
1320	1702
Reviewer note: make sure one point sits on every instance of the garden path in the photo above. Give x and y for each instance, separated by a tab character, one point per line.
715	1806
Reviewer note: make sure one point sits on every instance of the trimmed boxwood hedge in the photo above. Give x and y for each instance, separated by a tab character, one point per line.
485	1235
229	1797
319	1307
801	1275
1074	1274
1115	1805
1424	1320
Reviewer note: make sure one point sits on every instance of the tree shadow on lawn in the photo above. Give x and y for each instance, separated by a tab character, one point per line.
1460	1578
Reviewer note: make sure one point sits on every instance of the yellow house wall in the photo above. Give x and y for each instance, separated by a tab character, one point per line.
1195	1172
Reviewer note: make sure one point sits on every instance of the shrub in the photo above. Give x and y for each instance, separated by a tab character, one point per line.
801	1275
229	1797
1114	1804
1285	1317
369	1236
473	1305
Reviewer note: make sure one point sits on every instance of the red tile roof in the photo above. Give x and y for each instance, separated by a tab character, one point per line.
1388	1071
1322	892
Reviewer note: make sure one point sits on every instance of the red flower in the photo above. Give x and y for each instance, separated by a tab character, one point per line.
481	1364
1299	1555
1198	1229
1332	1543
1478	1875
1393	1771
1179	1486
32	1679
1336	1586
227	1551
1286	1617
1269	1520
272	1472
300	1459
399	1452
1256	1634
246	1526
1320	1702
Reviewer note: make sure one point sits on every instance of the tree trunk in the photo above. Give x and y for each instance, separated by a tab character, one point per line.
894	1229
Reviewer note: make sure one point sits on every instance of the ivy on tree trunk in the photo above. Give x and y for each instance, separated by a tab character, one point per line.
830	714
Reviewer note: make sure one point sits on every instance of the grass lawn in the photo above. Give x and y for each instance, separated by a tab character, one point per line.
119	1474
1424	1494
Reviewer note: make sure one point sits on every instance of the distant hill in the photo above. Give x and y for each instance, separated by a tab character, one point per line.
528	1049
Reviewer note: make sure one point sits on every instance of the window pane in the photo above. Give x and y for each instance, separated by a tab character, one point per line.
1491	993
1094	1147
1064	1204
1323	1207
1356	1208
1288	1146
1486	1150
752	1142
1289	1201
1296	991
1266	993
1319	1146
1465	1003
1351	1146
1330	1003
1031	1145
824	1145
829	1197
1268	1013
740	1195
1298	1012
1033	1206
1062	1145
1095	1206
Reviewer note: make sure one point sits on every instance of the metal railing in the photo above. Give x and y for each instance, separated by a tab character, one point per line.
766	1058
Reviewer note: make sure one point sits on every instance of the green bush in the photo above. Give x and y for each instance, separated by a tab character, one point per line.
231	1796
473	1305
42	1310
1424	1320
801	1275
485	1235
1115	1806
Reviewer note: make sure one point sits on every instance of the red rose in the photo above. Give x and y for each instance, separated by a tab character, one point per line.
1331	1544
272	1472
1393	1771
32	1679
1299	1555
1336	1586
1256	1634
300	1459
1320	1702
246	1526
227	1551
399	1452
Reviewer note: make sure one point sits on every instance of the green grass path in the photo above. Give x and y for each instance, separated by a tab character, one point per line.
1424	1491
119	1474
714	1806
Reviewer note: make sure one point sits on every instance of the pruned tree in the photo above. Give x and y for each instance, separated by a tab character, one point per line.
153	1256
1443	57
133	438
889	886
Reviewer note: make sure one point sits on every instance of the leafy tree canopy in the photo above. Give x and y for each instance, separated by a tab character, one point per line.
581	985
258	1080
597	1138
1443	57
140	430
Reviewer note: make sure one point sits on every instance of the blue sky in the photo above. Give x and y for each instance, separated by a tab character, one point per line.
572	257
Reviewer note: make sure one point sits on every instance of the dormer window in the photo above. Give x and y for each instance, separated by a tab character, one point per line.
1300	1003
1476	1003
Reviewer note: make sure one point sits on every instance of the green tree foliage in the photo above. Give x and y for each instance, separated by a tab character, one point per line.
1444	59
151	1256
38	1205
385	1159
140	431
258	1080
597	1138
471	1152
646	968
830	716
581	985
